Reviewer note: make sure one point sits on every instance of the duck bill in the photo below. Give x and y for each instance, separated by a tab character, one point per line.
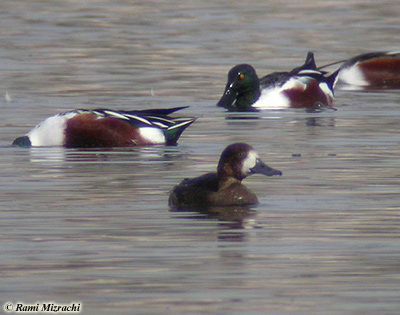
227	98
262	168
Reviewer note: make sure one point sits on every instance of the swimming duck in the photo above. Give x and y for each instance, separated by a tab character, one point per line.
107	128
224	187
303	87
375	69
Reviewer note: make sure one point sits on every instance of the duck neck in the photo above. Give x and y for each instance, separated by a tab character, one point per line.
245	99
226	181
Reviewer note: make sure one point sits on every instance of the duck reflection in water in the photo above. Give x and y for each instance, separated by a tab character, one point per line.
224	187
232	217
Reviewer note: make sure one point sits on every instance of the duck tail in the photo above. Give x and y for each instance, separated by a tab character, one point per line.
331	79
173	132
310	62
161	111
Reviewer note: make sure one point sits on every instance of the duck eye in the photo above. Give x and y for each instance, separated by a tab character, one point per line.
241	76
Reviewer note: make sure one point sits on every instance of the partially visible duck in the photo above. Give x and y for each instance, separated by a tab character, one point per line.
107	128
303	87
373	70
223	188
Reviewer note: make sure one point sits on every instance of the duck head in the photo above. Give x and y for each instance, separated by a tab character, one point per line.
240	160
242	89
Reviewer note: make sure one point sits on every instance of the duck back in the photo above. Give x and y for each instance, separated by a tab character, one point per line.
207	190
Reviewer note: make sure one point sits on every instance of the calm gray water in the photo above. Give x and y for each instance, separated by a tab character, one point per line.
93	226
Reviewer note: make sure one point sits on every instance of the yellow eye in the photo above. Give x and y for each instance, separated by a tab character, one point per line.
241	76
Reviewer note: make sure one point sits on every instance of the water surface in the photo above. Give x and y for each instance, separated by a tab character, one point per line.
94	226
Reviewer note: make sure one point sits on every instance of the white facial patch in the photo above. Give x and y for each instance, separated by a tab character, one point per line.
153	135
249	162
50	132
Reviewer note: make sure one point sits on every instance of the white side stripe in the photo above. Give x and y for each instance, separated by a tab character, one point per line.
138	118
115	114
163	126
180	125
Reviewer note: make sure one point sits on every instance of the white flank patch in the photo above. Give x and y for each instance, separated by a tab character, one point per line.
272	99
352	76
153	135
275	99
249	162
297	83
50	132
325	88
